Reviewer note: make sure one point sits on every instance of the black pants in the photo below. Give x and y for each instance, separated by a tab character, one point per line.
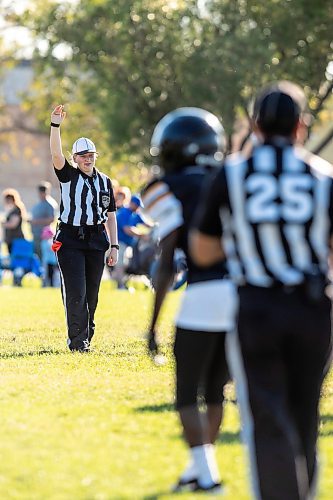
285	347
50	273
201	367
81	263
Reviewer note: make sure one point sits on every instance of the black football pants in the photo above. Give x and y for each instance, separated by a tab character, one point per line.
201	367
81	274
284	347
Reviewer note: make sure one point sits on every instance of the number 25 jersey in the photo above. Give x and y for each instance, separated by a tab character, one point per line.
276	213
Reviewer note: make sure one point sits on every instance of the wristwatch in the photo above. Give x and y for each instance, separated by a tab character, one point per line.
115	246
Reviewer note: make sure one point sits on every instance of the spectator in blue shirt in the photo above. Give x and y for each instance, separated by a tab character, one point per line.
127	220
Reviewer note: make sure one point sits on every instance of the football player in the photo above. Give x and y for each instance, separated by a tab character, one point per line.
188	144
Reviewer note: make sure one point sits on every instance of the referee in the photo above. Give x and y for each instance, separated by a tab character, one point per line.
274	211
87	229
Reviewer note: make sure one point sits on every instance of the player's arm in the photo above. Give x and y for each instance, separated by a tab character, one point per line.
57	117
165	210
205	249
205	244
163	282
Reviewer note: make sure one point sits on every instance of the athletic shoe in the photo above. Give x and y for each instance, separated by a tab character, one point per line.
214	489
85	347
184	485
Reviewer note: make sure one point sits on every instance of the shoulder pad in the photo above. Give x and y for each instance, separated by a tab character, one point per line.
162	206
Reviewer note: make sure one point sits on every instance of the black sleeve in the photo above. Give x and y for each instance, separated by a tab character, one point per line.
214	196
112	205
64	174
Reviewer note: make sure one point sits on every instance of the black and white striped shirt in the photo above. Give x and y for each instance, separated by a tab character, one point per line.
84	200
274	211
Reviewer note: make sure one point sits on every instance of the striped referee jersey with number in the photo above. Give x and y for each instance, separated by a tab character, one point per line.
84	200
276	211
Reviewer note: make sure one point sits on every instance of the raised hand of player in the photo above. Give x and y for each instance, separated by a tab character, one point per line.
58	114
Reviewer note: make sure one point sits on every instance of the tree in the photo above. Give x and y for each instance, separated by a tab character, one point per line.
131	62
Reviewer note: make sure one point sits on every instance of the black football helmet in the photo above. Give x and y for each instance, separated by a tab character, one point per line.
186	137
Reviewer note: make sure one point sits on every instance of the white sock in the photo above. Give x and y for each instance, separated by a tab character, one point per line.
210	450
205	462
190	472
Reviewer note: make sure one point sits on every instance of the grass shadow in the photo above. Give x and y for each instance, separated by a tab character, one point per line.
161	408
26	354
156	496
164	407
228	437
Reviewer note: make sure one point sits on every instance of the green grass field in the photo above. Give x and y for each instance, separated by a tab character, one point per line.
101	426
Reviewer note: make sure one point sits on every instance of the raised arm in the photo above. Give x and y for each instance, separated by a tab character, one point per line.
57	117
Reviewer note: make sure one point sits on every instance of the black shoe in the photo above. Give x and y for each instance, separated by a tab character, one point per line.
85	347
183	485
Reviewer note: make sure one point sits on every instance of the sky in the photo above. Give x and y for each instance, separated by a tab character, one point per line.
20	35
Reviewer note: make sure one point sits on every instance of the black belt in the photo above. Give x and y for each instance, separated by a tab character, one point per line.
313	287
81	231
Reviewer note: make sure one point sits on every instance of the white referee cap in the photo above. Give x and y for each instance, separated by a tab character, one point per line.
82	146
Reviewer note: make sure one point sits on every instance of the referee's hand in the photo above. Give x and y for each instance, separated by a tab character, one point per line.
58	114
112	257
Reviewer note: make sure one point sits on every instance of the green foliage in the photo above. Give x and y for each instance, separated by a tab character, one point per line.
131	62
102	426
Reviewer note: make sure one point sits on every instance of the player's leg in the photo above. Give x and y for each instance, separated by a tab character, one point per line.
216	378
308	360
277	470
192	349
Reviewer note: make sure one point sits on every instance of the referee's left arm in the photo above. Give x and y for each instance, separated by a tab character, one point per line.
111	228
